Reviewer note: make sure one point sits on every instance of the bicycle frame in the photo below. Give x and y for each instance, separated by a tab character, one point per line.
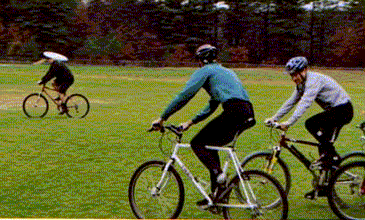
44	91
324	175
294	151
321	178
230	155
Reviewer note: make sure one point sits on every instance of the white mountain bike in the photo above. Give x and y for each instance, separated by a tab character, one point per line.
156	189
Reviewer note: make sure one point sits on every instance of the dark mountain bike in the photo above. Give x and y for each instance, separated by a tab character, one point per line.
347	191
272	162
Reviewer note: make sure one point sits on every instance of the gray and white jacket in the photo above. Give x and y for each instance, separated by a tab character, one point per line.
316	87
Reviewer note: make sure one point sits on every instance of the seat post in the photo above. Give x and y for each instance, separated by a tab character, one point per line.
334	135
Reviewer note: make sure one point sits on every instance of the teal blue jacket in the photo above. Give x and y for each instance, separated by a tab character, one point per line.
220	83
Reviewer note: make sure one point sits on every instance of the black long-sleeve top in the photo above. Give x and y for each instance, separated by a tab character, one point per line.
59	71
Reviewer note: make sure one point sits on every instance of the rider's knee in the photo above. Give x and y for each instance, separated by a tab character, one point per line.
251	122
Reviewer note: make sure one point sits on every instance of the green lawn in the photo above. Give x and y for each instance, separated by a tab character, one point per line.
56	167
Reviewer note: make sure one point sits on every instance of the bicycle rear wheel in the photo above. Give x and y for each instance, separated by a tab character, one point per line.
35	105
347	191
352	157
77	106
149	202
263	192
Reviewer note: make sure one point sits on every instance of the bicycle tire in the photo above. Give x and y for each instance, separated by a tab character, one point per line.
259	161
147	205
266	209
77	106
344	191
354	156
35	105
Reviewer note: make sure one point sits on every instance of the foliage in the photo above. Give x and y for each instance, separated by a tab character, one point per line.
348	47
179	54
238	54
48	24
144	30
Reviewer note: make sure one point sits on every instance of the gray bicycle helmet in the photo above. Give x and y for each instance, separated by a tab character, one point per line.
206	53
296	64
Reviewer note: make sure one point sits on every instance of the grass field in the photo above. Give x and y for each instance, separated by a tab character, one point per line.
56	167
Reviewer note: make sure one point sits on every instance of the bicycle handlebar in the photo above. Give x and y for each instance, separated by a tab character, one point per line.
174	129
284	138
361	126
273	124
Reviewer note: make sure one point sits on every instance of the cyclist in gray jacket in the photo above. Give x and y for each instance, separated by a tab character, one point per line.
330	96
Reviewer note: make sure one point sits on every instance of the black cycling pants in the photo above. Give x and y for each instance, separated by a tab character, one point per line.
326	126
62	87
220	131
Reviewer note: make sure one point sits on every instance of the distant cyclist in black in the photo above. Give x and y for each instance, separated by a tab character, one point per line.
63	80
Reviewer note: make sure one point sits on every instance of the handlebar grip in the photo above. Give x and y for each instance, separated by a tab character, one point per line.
361	126
272	124
177	128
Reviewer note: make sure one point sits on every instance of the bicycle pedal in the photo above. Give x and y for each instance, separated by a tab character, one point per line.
215	210
316	166
222	179
312	195
205	208
203	205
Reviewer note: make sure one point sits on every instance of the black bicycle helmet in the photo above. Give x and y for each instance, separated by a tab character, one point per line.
296	64
206	53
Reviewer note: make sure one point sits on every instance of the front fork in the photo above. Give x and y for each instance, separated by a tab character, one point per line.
155	191
362	188
39	98
273	159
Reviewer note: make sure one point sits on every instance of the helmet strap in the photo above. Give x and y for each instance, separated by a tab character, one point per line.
305	76
205	61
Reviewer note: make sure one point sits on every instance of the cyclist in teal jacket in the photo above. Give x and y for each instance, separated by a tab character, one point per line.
224	87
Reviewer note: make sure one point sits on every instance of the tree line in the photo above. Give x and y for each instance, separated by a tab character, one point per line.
245	31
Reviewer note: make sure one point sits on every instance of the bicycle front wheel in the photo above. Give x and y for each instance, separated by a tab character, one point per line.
35	105
77	106
154	196
264	161
347	191
256	198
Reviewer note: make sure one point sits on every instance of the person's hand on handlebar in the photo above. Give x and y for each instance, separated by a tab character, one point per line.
284	126
157	124
185	126
272	123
